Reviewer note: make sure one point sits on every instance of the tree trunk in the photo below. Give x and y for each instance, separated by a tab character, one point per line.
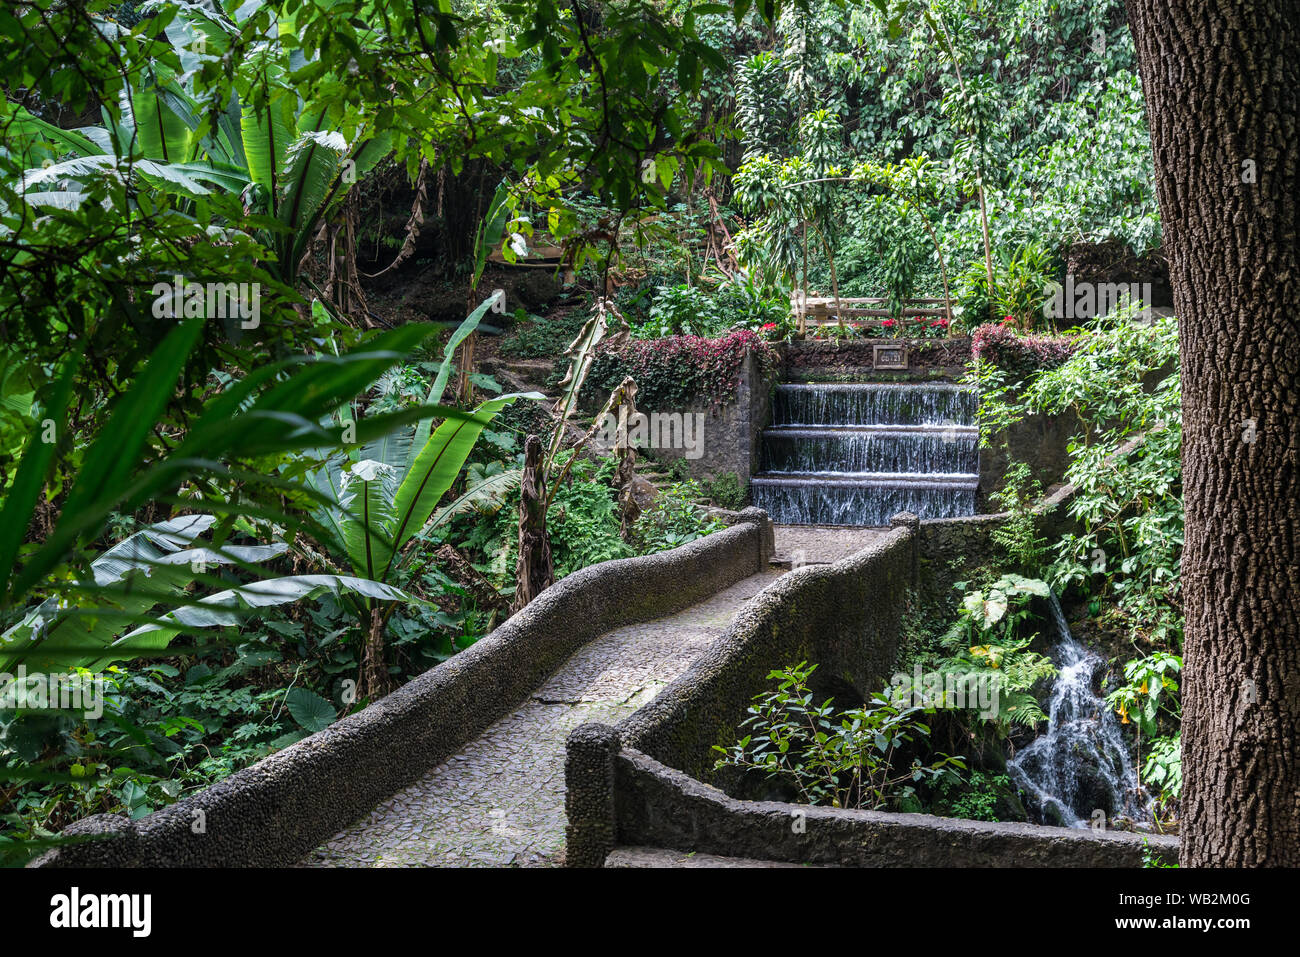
534	571
1222	80
374	682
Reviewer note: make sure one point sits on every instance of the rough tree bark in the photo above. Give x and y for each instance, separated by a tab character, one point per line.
1222	82
375	681
534	571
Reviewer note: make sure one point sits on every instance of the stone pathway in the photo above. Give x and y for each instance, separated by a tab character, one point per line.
820	544
499	801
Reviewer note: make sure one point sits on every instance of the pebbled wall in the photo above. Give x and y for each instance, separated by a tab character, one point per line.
662	807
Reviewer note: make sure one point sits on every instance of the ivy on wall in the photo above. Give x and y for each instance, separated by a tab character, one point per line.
1000	346
673	372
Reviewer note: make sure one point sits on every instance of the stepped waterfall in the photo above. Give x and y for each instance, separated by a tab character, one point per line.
859	453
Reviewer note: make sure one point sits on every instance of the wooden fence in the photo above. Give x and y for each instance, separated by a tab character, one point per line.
826	310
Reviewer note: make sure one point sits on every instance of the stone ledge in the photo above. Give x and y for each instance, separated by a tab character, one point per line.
663	807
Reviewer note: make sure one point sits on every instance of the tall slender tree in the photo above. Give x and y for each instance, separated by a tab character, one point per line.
1222	85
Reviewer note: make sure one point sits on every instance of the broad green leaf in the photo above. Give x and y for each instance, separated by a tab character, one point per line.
266	133
439	463
229	608
311	174
20	503
309	709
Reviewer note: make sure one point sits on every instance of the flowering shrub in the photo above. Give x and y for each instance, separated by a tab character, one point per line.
672	371
998	344
915	327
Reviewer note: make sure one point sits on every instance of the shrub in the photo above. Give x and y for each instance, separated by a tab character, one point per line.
840	758
977	799
673	520
1017	355
726	491
671	372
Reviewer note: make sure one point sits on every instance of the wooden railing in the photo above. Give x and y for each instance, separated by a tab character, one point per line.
825	310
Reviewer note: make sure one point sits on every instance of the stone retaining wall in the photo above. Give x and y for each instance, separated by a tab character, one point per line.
733	430
274	812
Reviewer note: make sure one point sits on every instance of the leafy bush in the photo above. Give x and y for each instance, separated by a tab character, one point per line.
682	310
1123	382
1018	536
737	302
673	520
991	638
1016	356
726	491
670	373
842	758
1021	280
975	799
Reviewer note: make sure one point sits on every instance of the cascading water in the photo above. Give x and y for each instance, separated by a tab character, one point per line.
857	454
1080	765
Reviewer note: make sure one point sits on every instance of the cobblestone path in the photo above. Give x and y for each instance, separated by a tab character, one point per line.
499	801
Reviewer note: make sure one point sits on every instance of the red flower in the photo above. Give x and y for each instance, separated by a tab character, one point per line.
768	325
888	323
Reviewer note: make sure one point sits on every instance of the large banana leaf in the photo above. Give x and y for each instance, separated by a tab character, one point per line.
368	492
266	130
130	578
229	608
26	132
438	463
311	169
164	120
444	373
228	176
367	156
73	168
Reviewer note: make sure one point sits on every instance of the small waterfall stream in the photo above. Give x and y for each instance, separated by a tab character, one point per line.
1080	765
858	453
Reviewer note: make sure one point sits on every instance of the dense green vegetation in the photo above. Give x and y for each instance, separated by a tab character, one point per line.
246	497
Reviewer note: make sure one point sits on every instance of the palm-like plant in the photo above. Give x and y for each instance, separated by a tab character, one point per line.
290	160
386	496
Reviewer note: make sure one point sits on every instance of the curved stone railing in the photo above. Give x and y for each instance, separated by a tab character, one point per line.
644	782
276	811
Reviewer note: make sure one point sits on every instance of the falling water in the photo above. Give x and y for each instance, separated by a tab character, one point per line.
874	403
1080	765
859	453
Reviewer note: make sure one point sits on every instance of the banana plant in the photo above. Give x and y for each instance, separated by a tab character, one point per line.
287	159
277	408
390	495
381	499
153	566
